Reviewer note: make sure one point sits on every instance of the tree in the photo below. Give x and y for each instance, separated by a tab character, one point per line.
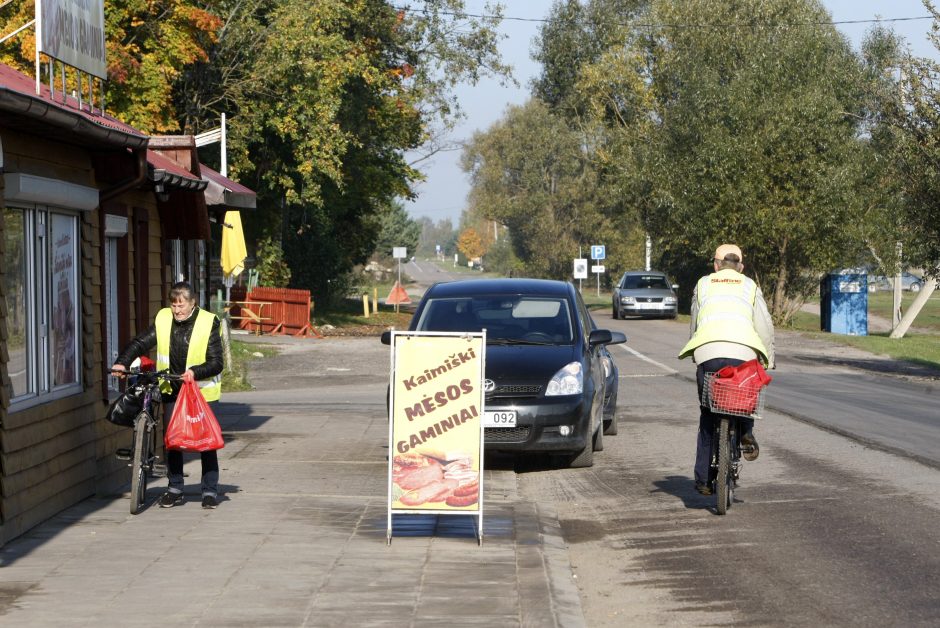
534	174
756	140
912	124
273	272
396	228
149	45
434	234
575	36
470	244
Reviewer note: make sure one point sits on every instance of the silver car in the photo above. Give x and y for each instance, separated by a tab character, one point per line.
647	293
880	282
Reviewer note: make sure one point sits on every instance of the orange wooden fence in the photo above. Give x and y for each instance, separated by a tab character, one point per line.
287	312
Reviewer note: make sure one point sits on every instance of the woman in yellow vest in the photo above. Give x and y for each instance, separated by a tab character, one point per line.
730	325
188	344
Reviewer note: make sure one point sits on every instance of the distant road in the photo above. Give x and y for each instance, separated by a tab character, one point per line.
426	273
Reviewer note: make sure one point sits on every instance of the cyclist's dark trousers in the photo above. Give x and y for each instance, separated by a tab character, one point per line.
707	420
174	463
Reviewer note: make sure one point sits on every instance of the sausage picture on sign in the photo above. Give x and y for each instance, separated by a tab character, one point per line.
432	476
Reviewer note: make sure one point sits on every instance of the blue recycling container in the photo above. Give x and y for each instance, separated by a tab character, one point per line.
844	303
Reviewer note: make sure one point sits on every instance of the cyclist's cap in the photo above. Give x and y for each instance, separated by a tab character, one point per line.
723	251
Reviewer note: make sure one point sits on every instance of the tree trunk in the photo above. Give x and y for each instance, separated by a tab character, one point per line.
929	286
226	343
779	302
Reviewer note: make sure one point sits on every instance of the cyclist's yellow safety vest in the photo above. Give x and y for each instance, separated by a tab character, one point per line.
198	343
725	312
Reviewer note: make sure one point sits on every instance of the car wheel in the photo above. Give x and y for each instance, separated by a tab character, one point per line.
610	423
616	314
597	443
610	426
583	459
915	287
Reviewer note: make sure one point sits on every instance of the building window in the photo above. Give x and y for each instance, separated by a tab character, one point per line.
111	308
42	279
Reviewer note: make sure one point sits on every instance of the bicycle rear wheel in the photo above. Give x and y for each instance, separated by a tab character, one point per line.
724	482
142	429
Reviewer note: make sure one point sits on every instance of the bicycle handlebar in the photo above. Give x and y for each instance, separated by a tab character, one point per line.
151	375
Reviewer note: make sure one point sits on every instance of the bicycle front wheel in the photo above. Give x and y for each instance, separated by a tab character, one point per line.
724	482
142	428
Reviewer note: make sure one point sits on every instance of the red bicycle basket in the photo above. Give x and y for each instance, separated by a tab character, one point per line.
736	389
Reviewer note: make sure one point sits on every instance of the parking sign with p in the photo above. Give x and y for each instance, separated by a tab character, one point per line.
598	251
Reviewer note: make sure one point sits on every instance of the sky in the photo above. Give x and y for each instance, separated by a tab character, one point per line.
443	193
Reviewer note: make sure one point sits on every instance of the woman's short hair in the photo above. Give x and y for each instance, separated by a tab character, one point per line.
182	290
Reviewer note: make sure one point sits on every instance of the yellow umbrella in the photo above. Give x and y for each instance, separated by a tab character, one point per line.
233	245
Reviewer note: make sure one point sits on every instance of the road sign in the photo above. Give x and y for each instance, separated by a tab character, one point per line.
580	269
597	269
598	251
399	252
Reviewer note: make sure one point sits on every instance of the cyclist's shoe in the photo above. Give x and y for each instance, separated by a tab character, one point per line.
749	446
703	488
170	499
209	502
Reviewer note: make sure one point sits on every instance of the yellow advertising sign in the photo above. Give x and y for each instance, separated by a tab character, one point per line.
436	433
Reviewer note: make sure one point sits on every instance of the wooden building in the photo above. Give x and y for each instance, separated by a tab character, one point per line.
96	221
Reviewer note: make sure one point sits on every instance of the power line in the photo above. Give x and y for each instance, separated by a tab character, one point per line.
544	20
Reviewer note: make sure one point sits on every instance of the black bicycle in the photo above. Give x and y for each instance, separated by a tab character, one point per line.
143	389
730	406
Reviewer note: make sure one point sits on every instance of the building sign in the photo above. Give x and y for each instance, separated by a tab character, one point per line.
435	424
64	300
72	31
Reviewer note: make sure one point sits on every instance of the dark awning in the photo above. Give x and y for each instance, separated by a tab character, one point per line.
180	199
222	191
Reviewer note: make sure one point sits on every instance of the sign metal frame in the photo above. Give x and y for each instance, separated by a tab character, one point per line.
399	368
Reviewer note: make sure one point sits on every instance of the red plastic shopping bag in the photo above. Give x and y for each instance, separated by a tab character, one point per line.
193	426
735	389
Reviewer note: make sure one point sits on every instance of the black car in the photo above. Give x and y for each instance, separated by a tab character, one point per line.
645	293
545	373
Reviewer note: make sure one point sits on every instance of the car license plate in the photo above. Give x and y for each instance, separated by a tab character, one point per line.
499	419
650	306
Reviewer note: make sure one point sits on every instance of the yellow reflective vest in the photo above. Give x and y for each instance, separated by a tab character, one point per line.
196	354
725	312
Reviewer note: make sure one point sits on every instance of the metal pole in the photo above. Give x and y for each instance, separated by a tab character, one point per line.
224	167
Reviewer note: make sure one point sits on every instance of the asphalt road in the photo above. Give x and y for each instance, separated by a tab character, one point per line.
867	397
834	524
825	530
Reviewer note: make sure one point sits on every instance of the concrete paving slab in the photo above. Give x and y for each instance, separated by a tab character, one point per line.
299	535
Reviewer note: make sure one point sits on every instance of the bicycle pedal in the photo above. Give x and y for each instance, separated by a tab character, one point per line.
159	469
123	454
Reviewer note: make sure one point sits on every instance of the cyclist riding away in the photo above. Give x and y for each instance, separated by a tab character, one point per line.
188	344
730	325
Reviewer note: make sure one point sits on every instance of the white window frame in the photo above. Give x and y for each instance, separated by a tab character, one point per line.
39	287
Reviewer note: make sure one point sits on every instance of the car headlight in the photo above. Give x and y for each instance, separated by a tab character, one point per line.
670	300
567	381
627	300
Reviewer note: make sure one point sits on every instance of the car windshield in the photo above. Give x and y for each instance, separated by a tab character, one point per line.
639	282
507	319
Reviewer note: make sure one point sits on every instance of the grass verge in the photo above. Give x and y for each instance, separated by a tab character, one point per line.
919	348
236	378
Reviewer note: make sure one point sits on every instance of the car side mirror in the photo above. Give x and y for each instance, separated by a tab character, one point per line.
599	337
386	337
617	338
